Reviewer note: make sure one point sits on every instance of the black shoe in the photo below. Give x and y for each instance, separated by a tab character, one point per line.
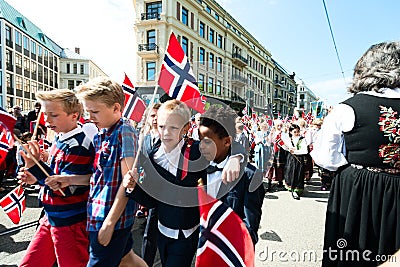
295	195
280	184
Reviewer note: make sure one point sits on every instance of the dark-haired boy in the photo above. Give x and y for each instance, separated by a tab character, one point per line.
245	195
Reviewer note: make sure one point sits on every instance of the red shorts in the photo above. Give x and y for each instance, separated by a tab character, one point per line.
68	245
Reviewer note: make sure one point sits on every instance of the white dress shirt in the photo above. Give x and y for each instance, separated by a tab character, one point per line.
214	179
329	147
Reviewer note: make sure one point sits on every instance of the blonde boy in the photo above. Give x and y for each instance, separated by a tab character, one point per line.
110	213
61	235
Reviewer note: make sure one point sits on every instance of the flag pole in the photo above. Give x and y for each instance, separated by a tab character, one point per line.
37	162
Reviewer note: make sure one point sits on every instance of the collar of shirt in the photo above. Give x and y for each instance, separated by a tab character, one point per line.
64	136
214	179
169	161
385	92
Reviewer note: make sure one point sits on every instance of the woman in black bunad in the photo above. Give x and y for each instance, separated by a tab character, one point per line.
360	140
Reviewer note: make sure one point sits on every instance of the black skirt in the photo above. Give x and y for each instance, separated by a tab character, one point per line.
362	225
294	172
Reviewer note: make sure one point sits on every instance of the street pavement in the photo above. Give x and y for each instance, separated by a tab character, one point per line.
291	231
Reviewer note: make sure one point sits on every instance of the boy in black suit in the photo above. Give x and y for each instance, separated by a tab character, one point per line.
245	195
172	170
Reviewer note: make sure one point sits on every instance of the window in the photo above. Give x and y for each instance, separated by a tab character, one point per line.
151	70
185	45
8	36
216	16
26	43
201	29
208	9
68	68
200	82
82	69
211	61
201	55
18	38
153	10
151	38
219	64
218	88
185	19
211	36
27	67
210	85
71	84
219	41
33	47
75	68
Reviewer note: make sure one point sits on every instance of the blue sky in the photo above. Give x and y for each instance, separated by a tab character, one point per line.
296	32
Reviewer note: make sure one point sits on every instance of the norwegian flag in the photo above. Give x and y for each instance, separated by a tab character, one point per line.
7	123
134	106
7	120
224	239
13	204
177	78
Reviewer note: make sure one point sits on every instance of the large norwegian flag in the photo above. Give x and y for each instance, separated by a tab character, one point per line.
13	204
224	238
134	106
177	78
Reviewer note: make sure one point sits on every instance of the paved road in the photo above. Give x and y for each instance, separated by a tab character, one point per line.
289	229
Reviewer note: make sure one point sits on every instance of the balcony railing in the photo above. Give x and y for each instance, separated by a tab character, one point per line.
239	78
239	56
150	15
148	47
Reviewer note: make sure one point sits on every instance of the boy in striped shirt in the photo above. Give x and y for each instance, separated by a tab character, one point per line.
61	236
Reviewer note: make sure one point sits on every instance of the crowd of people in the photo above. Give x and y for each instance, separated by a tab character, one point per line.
95	177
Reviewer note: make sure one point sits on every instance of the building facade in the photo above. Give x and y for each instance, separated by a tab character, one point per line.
30	61
230	65
305	97
76	69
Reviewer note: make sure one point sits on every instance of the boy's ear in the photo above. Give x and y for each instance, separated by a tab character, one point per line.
117	107
75	116
228	141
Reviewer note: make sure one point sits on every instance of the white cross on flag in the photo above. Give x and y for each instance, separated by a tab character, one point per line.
134	106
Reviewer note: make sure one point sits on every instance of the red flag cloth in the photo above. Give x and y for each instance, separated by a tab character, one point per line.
7	120
224	238
134	106
177	78
13	204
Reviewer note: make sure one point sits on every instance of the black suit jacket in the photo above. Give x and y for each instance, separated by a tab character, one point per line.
245	196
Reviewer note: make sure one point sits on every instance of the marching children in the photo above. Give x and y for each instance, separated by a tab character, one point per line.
245	196
110	213
61	236
173	169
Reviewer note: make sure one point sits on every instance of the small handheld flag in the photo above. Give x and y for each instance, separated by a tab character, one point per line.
13	204
134	106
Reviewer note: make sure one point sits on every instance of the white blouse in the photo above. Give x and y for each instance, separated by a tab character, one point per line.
329	147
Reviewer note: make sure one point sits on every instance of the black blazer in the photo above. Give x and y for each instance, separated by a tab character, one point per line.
245	196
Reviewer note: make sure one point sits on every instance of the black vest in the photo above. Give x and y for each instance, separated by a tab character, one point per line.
365	143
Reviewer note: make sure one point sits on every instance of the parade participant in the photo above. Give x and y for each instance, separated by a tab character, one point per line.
61	236
359	140
110	213
295	162
275	138
172	170
306	133
262	149
245	196
241	137
17	113
149	244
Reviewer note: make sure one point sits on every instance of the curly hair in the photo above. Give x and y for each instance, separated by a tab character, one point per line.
378	68
220	120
